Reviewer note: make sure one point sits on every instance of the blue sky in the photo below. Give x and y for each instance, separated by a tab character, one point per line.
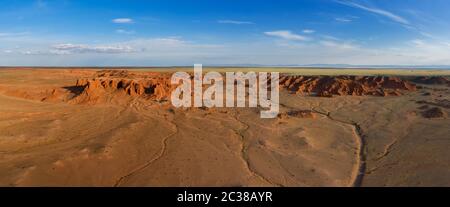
215	32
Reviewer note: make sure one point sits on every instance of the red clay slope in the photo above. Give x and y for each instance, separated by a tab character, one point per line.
326	86
156	86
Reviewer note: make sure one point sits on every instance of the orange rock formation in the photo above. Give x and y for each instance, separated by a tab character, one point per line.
326	86
432	80
152	85
156	86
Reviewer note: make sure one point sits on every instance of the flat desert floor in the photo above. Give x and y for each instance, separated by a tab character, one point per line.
81	127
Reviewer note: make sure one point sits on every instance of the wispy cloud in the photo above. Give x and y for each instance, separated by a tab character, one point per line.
234	22
377	11
418	43
13	34
174	44
286	34
79	48
329	37
429	51
339	45
123	21
41	4
176	51
308	31
342	19
126	32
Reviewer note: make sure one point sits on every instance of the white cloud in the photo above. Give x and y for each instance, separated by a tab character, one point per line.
286	34
44	52
340	45
123	21
59	52
381	12
17	34
27	52
342	19
73	48
418	43
233	22
173	44
123	31
308	31
167	46
31	52
178	51
429	52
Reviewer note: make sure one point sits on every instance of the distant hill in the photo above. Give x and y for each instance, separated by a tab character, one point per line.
337	66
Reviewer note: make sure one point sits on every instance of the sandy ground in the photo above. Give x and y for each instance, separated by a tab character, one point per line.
347	141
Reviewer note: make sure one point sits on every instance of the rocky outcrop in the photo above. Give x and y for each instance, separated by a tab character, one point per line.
434	113
327	86
298	113
445	103
432	80
122	83
113	73
44	94
108	84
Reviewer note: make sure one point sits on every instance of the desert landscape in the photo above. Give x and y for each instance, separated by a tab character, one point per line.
117	127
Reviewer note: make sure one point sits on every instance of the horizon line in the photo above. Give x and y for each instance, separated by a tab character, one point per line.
316	66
